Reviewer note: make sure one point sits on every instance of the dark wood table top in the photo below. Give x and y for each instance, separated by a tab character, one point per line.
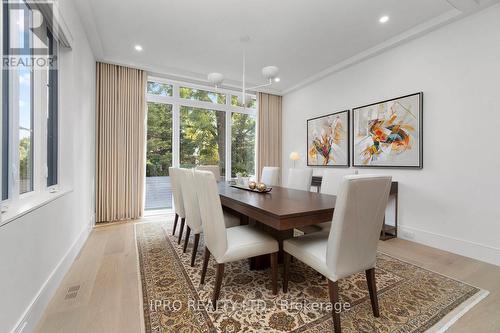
282	208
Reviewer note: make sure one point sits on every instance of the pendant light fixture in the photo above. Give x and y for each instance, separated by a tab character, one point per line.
270	73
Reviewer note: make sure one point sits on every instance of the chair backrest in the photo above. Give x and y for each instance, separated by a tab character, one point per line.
212	217
270	175
356	224
176	192
331	181
300	179
190	199
212	168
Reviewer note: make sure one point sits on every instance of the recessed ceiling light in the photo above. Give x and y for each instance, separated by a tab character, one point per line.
276	79
138	48
383	19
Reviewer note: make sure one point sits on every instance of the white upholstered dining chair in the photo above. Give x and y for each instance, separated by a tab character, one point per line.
331	180
231	244
192	210
212	168
330	184
178	202
270	175
300	179
193	218
351	244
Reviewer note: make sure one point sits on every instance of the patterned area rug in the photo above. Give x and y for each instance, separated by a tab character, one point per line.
411	298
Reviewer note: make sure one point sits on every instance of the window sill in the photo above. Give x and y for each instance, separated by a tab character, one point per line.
29	204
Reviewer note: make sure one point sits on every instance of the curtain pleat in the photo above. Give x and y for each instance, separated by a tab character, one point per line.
120	142
269	131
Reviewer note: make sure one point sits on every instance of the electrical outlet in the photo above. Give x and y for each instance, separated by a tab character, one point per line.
297	233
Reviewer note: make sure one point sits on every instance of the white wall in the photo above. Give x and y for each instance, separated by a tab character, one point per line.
37	249
453	203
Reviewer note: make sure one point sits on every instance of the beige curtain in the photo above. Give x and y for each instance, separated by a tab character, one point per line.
269	131
120	135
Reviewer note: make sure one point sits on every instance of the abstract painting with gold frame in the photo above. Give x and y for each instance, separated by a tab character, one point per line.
328	140
389	133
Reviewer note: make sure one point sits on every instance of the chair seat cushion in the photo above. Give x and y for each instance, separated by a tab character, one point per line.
245	241
231	220
310	249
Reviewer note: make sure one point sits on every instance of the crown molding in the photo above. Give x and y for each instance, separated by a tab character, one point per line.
86	14
188	77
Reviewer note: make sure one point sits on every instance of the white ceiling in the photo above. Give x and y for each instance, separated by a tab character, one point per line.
306	39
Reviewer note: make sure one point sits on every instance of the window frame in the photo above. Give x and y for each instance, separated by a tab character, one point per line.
5	180
52	145
176	101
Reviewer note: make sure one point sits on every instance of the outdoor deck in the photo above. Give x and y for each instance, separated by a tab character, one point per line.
158	193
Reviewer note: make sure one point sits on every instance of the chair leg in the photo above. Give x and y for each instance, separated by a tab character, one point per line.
218	282
186	240
286	269
175	223
181	230
333	290
205	265
274	272
195	248
372	288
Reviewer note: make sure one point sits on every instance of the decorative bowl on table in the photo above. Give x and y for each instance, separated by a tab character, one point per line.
261	187
252	186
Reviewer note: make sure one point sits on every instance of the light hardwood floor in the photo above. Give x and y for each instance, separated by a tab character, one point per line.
108	298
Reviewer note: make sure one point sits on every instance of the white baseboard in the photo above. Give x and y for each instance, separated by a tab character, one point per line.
28	321
459	246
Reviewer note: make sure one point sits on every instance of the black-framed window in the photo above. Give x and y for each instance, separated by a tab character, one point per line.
52	120
5	106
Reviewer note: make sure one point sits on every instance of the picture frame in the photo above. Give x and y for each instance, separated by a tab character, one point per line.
328	140
389	134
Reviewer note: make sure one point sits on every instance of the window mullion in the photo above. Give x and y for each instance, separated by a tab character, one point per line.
176	141
39	125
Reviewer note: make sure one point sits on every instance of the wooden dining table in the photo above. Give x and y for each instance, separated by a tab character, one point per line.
278	212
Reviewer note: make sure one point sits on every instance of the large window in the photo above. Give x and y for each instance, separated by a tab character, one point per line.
251	101
29	106
202	95
202	138
209	126
242	144
24	87
159	139
160	89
